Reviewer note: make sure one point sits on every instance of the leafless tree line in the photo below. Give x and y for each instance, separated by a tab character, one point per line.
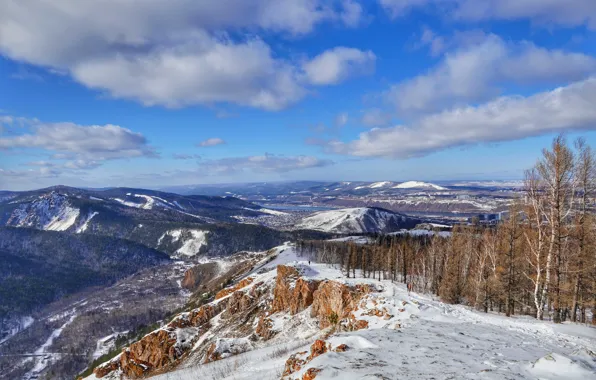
540	260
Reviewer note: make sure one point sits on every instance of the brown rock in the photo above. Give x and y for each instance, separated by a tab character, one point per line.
319	347
311	373
294	363
227	291
341	348
199	274
335	298
105	368
264	328
292	293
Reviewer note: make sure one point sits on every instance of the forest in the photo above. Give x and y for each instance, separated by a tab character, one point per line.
540	259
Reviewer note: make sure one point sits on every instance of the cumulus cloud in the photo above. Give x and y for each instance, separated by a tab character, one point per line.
567	108
95	142
475	73
170	53
563	13
338	64
214	141
266	163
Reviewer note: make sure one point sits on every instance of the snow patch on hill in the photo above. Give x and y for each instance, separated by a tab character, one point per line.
353	220
192	240
418	185
85	223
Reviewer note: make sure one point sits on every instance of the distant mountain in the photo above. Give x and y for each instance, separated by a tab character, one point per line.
357	220
419	185
182	226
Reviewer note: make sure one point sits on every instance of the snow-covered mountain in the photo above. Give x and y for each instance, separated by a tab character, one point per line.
419	185
355	220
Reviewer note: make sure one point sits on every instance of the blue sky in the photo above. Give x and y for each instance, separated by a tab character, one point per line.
159	93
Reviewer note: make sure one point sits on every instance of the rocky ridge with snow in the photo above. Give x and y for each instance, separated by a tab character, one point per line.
291	320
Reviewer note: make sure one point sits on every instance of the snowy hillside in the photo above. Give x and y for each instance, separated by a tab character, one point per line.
277	323
354	220
51	212
419	185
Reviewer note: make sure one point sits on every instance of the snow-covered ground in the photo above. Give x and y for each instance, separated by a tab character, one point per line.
419	337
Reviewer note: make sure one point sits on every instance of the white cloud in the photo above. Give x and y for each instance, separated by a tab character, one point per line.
564	13
169	53
214	141
263	164
183	156
95	142
475	73
341	119
567	108
203	72
81	164
338	64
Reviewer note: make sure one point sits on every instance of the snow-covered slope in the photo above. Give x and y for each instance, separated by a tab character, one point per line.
189	241
51	211
418	185
354	220
398	333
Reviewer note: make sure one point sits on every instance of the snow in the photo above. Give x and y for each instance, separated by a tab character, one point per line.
17	326
416	337
105	344
190	246
272	212
350	220
43	357
377	185
85	224
50	211
554	366
418	185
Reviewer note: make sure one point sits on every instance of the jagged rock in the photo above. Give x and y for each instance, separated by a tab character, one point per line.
292	293
105	368
199	274
294	363
341	348
264	328
319	347
311	374
298	360
334	298
227	291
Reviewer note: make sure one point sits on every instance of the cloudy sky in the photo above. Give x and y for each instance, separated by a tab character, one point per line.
170	92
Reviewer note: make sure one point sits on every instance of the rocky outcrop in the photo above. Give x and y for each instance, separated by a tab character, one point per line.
296	362
161	348
227	291
197	275
334	302
292	293
311	374
244	310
